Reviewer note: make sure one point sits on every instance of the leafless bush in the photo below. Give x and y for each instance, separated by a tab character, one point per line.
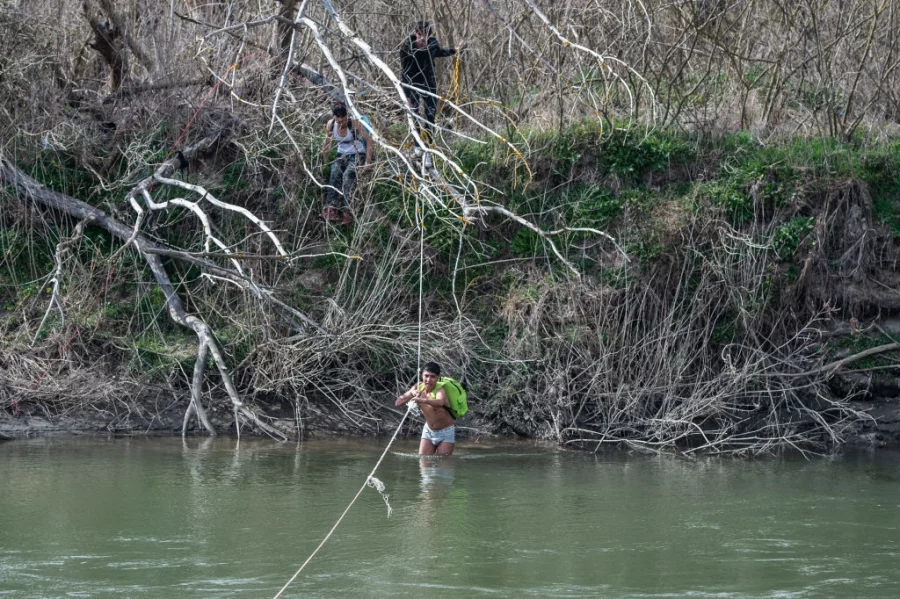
696	356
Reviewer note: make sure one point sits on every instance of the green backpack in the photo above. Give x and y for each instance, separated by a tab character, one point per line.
456	395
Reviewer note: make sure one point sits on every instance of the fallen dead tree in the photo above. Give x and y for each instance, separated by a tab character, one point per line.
29	190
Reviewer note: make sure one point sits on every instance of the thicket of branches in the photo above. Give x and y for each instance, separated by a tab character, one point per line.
131	117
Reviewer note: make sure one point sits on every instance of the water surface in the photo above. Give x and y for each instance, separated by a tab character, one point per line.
218	518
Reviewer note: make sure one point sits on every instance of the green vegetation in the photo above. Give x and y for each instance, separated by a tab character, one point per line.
618	178
789	235
716	233
881	171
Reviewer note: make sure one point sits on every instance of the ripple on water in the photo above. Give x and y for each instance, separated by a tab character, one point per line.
491	521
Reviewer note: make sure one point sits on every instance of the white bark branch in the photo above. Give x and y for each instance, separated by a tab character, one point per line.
61	248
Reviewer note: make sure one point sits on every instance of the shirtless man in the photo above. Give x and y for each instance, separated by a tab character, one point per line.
439	432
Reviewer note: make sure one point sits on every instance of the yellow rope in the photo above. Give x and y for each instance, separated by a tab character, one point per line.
453	93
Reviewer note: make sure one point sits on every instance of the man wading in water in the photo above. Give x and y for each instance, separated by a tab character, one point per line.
439	432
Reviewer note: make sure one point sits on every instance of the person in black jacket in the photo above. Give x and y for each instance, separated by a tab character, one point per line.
417	54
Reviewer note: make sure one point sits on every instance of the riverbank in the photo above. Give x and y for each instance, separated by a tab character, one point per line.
746	304
880	430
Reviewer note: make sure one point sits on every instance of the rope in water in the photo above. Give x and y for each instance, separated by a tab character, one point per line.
409	409
355	497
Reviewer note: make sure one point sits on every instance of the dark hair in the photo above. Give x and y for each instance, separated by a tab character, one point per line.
432	367
423	26
339	110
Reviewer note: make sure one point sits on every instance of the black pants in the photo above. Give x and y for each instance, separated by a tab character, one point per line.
416	98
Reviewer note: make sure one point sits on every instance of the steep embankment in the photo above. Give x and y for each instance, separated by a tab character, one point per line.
749	302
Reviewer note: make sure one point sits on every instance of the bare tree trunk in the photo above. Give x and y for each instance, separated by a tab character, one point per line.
30	190
108	42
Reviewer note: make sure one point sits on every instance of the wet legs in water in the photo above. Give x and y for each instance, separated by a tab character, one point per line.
426	447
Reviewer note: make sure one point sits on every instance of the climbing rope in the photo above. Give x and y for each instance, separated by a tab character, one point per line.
209	93
371	481
421	223
455	80
454	90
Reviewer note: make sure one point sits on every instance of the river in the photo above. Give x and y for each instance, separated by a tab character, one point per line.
159	517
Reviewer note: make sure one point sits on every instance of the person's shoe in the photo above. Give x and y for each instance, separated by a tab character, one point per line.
330	214
417	151
347	219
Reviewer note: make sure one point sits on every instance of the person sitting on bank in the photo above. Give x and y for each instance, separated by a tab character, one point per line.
354	151
439	431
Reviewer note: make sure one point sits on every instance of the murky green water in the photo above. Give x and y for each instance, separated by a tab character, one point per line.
159	518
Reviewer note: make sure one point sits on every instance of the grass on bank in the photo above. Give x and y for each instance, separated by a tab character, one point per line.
641	187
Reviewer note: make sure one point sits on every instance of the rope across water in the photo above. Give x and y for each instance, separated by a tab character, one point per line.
352	501
409	409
